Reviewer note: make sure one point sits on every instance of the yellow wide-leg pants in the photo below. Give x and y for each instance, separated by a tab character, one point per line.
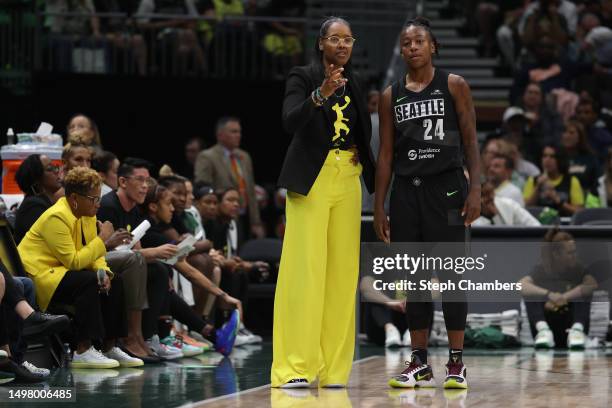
314	306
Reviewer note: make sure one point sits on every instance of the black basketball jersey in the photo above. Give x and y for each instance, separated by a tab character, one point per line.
427	135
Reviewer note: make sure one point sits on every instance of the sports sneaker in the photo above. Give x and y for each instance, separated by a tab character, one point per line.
163	351
251	337
406	340
123	358
455	375
92	358
226	335
576	337
392	336
186	349
186	339
296	383
43	372
544	337
416	375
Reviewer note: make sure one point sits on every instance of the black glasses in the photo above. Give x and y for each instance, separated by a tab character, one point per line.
139	179
335	40
52	168
94	199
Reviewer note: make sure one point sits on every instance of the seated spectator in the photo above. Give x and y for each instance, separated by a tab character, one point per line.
158	208
193	219
604	184
545	124
522	168
508	40
385	316
82	129
106	164
193	147
597	39
545	19
236	272
119	32
64	252
549	70
39	180
284	38
499	175
555	188
557	294
75	155
583	163
129	265
20	319
598	135
502	211
73	29
175	231
515	130
178	34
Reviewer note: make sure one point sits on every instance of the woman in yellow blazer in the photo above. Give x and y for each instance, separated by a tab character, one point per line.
62	252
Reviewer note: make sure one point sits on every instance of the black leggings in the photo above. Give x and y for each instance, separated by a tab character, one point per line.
165	302
376	317
158	291
421	210
578	312
97	316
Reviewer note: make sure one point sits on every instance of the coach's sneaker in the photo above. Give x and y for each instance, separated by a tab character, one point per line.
392	336
544	337
455	375
296	383
576	337
92	358
416	375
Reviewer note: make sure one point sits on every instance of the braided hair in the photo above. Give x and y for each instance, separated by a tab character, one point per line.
426	25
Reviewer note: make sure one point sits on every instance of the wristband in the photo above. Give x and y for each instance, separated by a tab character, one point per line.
317	103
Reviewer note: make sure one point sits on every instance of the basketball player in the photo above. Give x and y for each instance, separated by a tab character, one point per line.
427	128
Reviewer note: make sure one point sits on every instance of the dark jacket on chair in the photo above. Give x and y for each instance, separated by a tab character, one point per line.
312	130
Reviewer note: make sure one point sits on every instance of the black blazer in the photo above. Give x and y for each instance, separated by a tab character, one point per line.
311	129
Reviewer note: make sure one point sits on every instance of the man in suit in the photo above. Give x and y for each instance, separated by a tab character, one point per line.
225	165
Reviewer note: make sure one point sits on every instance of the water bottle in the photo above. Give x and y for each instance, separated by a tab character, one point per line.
10	136
67	357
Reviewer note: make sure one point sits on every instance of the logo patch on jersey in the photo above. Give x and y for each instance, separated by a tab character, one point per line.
419	109
340	123
398	100
412	155
437	92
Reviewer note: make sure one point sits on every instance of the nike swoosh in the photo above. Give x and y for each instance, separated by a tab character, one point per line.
419	377
400	99
452	193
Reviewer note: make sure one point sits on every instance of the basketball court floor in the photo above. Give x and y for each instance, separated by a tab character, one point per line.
498	378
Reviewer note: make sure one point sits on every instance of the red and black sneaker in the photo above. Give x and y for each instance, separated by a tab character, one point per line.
416	374
455	375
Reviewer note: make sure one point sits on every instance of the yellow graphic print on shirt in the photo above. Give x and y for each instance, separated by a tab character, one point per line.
339	124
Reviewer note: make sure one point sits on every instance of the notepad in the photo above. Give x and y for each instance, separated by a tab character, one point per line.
137	235
184	248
